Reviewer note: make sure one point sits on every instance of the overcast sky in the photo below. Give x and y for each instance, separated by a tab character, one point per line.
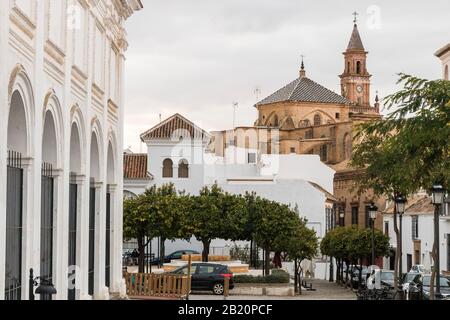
196	57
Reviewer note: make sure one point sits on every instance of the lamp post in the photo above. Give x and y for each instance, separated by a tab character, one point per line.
373	210
44	287
400	202
437	199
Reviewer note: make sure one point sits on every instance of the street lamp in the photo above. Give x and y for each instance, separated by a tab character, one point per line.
437	193
45	288
373	211
400	204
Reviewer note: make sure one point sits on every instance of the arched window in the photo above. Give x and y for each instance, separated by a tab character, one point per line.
317	120
347	148
305	123
446	73
167	168
275	121
324	153
348	67
358	67
183	169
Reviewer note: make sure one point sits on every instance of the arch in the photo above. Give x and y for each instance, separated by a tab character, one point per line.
324	116
167	168
129	195
288	123
96	150
77	141
183	169
272	120
347	146
317	119
358	67
446	76
53	133
21	112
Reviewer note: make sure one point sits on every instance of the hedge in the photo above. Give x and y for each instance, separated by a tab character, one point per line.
277	276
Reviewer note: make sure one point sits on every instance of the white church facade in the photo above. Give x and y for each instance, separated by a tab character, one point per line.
61	110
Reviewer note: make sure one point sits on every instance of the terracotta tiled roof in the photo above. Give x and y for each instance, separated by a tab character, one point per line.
304	90
417	204
174	127
135	166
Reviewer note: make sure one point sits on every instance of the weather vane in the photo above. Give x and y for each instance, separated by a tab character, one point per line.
303	61
356	14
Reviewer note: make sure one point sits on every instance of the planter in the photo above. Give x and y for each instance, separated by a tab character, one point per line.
263	289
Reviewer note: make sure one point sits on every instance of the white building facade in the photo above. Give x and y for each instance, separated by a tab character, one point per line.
61	106
178	153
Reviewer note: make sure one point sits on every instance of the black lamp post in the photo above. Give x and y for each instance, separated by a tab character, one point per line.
438	199
44	287
400	202
373	211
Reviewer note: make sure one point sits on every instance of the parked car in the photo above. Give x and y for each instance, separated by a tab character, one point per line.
410	281
177	255
387	278
424	287
208	276
419	268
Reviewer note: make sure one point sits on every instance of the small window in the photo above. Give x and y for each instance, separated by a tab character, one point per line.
317	120
183	169
358	67
252	157
167	168
355	215
415	227
338	115
386	228
293	150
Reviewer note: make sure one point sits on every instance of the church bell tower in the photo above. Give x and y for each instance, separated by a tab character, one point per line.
355	81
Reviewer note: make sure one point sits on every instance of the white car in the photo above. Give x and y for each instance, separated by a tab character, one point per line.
419	268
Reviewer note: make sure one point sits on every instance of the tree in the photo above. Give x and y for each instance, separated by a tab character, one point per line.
216	214
274	223
303	245
137	224
408	150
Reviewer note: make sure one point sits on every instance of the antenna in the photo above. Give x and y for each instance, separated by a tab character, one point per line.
257	92
235	106
160	118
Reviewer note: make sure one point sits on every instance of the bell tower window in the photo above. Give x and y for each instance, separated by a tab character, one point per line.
358	67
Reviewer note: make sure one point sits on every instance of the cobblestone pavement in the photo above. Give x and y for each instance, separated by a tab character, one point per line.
324	291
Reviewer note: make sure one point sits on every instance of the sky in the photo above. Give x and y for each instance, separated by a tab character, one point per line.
199	57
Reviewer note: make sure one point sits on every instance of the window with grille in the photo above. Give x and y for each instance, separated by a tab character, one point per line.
355	215
183	169
167	168
415	227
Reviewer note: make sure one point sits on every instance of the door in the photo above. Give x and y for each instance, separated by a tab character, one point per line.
91	241
408	262
14	199
47	192
73	195
108	241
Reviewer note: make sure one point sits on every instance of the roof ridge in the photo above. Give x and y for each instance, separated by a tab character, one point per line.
295	87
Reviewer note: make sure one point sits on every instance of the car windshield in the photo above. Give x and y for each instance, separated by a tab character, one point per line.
387	276
445	282
411	277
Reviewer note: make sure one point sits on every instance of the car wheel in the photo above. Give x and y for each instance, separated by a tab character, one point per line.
218	289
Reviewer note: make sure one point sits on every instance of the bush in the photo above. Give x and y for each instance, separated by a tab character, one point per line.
240	253
277	276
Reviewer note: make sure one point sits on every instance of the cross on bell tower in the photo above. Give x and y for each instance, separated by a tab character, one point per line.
355	81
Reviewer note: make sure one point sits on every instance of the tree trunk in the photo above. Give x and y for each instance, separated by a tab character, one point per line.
141	258
205	253
338	270
295	276
346	273
360	274
300	271
267	262
397	256
162	252
342	271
